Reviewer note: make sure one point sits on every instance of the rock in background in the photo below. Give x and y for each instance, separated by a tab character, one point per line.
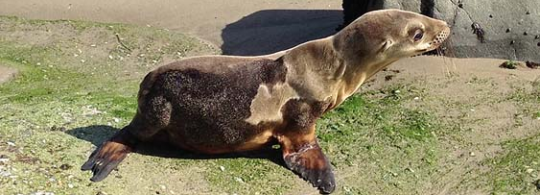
512	27
353	9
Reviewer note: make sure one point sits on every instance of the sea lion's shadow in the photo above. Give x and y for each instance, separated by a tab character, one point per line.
97	134
269	31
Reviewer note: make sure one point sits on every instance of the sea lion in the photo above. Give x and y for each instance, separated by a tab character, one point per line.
223	104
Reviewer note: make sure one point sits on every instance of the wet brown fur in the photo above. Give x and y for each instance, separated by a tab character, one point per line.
223	104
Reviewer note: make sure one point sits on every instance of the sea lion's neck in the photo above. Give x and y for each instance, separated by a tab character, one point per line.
318	71
315	57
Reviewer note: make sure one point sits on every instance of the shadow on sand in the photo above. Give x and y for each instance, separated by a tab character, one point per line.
270	31
97	134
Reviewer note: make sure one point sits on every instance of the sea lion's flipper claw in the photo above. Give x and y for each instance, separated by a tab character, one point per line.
312	165
102	171
105	159
90	162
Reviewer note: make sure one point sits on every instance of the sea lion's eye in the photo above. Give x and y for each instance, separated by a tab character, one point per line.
418	35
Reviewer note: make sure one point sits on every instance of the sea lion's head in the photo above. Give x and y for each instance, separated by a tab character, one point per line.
388	35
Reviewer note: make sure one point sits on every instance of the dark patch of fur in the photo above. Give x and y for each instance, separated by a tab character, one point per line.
207	109
301	114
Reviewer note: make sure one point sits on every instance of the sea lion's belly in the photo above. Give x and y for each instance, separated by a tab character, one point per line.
254	142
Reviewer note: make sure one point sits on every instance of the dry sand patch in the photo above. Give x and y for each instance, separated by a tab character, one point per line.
7	74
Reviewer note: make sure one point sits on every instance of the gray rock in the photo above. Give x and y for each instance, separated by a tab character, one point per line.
504	22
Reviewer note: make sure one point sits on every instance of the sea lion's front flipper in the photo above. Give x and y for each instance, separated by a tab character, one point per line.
107	157
311	164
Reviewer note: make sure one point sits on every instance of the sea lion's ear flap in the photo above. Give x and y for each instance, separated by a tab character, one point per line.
386	45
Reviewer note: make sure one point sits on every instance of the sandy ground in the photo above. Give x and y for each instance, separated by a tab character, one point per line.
456	87
443	67
7	74
238	26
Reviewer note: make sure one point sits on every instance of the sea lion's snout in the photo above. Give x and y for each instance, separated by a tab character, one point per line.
443	35
440	37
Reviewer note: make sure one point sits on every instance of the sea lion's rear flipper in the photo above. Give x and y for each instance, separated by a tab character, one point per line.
311	164
107	157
